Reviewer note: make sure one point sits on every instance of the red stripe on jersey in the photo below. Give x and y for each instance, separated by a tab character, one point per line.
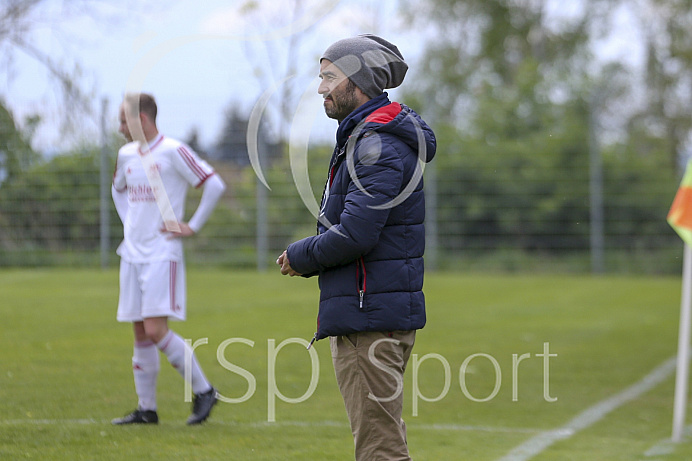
154	146
204	180
192	163
171	286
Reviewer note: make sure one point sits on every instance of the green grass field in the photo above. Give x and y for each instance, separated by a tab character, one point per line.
65	370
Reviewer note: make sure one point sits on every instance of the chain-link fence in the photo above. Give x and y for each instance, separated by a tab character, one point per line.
495	216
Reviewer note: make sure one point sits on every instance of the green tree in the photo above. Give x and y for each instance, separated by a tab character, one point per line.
16	153
51	210
515	94
511	91
662	119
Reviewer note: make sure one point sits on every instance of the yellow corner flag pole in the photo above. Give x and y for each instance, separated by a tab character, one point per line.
680	219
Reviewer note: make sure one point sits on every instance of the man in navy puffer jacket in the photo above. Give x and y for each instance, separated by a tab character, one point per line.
368	251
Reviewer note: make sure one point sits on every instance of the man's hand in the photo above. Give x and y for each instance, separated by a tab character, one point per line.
185	231
286	268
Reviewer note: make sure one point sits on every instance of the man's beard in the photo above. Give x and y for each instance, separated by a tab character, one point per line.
343	103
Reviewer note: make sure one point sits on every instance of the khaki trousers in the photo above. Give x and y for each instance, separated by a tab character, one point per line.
369	370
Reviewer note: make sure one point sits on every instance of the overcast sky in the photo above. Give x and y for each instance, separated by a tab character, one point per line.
200	58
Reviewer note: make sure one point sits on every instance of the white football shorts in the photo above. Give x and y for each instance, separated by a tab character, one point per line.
154	289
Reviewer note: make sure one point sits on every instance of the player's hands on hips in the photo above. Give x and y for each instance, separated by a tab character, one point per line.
184	230
286	268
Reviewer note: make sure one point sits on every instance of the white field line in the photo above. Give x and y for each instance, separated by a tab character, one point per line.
591	415
666	446
527	450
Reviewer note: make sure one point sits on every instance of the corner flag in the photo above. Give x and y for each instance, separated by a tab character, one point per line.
680	214
680	219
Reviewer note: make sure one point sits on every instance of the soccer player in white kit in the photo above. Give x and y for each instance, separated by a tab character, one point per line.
152	269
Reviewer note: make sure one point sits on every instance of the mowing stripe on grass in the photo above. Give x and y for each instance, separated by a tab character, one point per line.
410	426
46	422
267	424
591	415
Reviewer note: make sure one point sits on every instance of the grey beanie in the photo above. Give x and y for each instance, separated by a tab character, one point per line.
371	62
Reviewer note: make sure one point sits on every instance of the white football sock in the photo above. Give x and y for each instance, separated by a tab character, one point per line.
176	349
145	367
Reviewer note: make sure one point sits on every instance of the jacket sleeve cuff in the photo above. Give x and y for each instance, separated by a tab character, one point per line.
299	258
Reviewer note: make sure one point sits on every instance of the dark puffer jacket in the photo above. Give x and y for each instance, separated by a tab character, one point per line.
368	251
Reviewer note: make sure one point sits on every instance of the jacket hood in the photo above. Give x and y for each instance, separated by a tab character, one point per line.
382	115
406	124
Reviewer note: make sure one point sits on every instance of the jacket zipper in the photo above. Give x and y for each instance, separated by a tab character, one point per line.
361	274
312	341
330	180
314	338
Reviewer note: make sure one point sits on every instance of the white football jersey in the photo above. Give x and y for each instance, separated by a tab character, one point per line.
179	167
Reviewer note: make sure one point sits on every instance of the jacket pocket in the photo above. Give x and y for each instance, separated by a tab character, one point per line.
362	278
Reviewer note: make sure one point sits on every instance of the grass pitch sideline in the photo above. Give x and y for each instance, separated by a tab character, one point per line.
65	369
